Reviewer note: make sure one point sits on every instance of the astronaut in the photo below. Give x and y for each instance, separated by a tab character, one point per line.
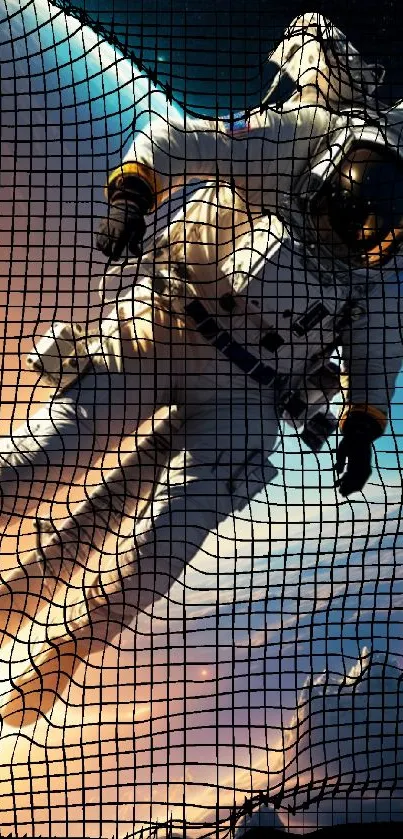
231	318
326	164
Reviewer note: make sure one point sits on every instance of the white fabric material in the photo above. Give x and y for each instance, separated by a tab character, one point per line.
278	144
331	80
215	248
314	52
273	155
224	244
217	462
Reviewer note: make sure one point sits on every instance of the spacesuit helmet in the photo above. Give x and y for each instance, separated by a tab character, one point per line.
358	212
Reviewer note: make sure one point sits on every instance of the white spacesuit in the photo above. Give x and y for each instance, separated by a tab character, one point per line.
232	317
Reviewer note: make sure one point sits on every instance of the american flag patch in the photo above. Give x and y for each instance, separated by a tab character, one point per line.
237	124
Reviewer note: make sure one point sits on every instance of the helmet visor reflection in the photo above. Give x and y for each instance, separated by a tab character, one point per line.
358	213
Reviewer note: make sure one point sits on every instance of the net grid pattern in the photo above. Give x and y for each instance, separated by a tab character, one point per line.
199	633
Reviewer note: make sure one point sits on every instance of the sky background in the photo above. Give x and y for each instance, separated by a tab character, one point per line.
202	701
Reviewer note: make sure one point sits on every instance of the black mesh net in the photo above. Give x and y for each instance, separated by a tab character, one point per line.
200	469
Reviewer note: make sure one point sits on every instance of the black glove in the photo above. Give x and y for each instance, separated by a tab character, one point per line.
359	432
124	226
129	200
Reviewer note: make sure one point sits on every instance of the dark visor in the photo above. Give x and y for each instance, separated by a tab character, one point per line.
358	213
